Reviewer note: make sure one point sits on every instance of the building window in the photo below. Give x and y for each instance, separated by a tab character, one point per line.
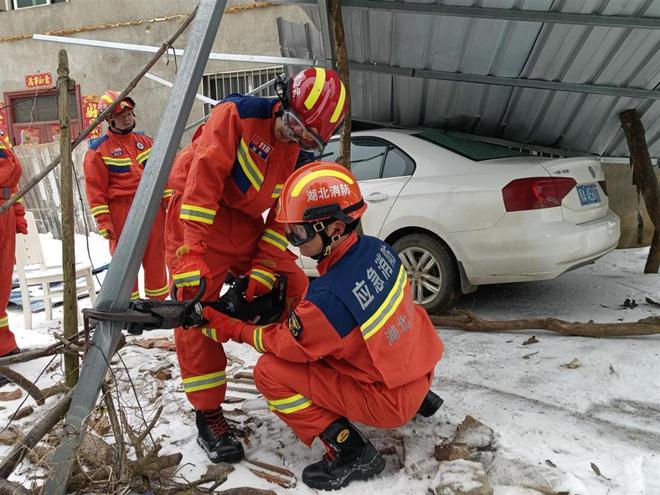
223	84
33	118
24	4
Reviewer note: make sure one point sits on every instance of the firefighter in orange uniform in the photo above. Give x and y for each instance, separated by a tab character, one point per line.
231	174
12	222
113	168
356	348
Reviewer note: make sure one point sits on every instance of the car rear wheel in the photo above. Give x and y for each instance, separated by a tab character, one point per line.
431	270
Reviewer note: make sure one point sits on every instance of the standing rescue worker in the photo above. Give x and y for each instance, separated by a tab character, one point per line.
12	222
113	168
231	174
356	348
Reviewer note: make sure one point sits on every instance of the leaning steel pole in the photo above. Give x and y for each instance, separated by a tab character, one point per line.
117	287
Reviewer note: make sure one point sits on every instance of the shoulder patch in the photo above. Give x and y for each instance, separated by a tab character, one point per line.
94	143
322	294
295	326
252	107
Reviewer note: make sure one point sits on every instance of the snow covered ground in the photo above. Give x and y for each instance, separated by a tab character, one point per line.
562	425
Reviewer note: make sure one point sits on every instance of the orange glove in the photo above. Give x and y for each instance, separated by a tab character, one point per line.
261	280
191	267
21	223
225	328
21	226
106	228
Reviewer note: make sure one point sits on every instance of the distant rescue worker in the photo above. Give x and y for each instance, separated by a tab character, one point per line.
224	182
113	168
12	222
356	348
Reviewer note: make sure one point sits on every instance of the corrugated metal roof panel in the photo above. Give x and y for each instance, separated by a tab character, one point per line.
621	57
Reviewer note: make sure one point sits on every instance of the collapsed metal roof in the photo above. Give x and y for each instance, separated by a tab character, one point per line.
552	73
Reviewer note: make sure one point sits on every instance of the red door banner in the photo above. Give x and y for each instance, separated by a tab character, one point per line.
90	112
4	126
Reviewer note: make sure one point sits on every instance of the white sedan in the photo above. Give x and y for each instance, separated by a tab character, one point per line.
462	213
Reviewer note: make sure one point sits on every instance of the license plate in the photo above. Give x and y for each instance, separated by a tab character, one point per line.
588	194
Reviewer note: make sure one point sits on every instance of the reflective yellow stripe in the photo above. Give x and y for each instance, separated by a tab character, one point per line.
204	382
315	93
157	292
387	309
4	321
210	333
250	169
143	156
167	193
264	277
118	162
187	279
135	295
340	105
98	210
107	98
197	214
306	179
103	232
290	404
275	238
258	339
278	191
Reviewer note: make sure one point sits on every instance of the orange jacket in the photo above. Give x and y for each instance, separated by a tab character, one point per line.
10	173
113	168
235	161
359	317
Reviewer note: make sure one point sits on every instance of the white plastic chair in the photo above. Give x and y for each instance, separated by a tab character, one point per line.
32	270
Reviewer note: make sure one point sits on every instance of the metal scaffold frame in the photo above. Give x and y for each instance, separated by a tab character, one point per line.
117	287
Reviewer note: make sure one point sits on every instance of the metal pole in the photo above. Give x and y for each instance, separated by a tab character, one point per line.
70	322
115	293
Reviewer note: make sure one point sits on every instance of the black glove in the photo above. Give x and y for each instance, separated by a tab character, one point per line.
262	310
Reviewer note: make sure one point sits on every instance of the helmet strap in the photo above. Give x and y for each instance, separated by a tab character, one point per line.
327	241
282	90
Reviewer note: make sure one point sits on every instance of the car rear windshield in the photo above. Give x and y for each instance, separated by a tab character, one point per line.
474	150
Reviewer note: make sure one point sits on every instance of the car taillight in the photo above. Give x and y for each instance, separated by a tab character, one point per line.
603	186
533	193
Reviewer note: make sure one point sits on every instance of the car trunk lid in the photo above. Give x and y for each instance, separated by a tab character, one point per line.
588	200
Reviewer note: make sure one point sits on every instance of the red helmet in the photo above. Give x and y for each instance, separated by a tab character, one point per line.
317	192
316	105
109	96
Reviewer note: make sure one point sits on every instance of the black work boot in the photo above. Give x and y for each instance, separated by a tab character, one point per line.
349	456
216	438
430	404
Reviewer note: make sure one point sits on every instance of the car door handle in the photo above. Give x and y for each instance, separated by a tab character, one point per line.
376	197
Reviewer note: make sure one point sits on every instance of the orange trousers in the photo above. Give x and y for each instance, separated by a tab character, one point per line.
231	246
318	395
156	285
7	260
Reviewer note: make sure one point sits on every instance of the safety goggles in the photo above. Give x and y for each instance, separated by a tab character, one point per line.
300	233
297	131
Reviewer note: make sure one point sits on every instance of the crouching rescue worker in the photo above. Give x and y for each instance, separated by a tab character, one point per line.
223	182
12	222
113	168
356	348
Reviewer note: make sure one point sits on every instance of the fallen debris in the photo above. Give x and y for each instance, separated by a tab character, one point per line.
461	477
468	321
